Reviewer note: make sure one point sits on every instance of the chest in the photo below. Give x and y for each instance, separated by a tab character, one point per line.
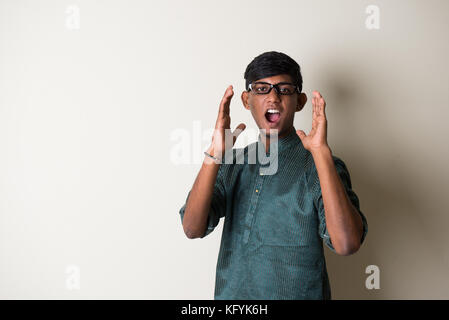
274	209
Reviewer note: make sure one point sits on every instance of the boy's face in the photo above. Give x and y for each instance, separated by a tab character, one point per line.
287	105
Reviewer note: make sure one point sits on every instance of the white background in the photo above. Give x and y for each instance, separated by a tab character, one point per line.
86	115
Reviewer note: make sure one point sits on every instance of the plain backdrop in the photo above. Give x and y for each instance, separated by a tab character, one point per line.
95	93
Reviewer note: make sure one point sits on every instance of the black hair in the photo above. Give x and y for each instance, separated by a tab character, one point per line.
270	64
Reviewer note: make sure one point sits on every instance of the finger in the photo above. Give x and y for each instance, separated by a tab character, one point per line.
238	130
322	105
301	134
317	97
318	106
226	100
314	105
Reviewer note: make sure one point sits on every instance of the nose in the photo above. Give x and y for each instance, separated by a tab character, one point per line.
273	96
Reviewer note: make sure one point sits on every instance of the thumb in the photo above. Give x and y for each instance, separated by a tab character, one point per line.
238	130
301	134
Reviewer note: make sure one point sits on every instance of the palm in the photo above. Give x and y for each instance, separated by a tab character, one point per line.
223	125
317	136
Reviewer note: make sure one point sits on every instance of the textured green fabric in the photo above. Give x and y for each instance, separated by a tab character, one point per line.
272	240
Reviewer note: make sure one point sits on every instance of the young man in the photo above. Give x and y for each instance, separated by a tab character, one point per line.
275	224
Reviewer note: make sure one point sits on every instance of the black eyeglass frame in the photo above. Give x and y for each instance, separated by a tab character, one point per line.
275	86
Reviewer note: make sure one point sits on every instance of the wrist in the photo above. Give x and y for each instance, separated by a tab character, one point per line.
208	154
211	150
321	151
214	152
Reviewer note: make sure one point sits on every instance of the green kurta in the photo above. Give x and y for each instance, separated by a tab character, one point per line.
274	227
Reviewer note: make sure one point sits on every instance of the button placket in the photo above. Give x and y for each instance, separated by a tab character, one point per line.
253	205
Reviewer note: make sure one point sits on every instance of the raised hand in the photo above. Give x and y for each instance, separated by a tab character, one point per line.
317	138
224	122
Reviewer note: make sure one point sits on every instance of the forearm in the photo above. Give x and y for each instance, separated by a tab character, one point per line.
199	201
343	221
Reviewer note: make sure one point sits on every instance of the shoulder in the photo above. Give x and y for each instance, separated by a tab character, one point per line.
312	173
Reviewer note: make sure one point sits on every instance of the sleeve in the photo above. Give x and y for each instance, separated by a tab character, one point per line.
319	205
218	204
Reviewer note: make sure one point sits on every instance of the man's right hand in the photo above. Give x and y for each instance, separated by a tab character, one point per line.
218	146
199	202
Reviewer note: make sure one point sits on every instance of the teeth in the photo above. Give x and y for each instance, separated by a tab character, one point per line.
272	111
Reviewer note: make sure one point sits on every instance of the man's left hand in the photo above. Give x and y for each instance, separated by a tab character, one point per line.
317	138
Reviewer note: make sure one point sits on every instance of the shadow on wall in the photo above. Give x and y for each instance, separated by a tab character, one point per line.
400	240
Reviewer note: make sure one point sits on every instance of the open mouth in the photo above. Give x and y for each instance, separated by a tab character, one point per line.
272	116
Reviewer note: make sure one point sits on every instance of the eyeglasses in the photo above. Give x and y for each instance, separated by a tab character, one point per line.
283	88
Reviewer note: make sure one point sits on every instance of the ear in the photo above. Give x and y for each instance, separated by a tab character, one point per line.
245	97
302	99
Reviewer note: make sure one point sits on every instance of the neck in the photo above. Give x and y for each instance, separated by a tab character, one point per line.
282	135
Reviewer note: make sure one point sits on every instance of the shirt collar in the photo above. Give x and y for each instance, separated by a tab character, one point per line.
285	142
